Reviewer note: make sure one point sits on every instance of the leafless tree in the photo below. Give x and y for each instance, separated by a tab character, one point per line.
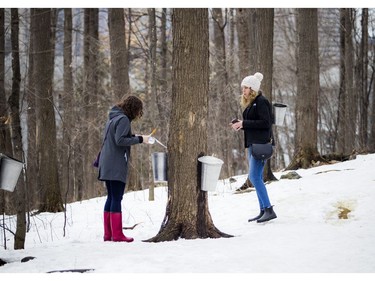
361	80
14	105
347	111
187	214
67	100
5	144
119	53
307	90
91	134
32	154
51	200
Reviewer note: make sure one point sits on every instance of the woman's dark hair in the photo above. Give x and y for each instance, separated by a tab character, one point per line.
132	107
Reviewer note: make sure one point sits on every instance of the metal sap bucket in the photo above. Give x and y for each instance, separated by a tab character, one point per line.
10	170
211	167
279	110
159	166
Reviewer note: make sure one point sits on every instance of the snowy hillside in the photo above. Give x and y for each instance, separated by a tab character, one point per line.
307	237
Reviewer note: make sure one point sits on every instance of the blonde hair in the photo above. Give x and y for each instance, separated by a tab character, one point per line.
245	102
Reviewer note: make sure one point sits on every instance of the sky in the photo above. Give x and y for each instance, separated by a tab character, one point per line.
307	237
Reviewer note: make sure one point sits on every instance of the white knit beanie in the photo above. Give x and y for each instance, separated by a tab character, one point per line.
253	81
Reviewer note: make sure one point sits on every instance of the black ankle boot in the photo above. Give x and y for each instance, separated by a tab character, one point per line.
257	217
268	215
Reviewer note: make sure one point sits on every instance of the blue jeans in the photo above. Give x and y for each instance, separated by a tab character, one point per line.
256	168
115	191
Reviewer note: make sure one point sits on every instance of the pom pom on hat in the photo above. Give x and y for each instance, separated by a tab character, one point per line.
253	81
259	76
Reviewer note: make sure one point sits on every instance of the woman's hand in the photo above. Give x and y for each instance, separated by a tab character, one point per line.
146	138
237	125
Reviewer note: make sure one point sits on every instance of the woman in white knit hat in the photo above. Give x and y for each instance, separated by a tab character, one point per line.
257	126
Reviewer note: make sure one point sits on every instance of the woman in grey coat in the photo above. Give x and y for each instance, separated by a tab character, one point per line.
114	160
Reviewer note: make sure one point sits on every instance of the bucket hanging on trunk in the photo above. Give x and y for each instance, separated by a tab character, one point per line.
10	170
279	110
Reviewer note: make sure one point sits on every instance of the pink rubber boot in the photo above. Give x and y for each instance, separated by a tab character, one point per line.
116	225
107	227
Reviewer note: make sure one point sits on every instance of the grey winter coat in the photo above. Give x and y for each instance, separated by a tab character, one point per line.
115	153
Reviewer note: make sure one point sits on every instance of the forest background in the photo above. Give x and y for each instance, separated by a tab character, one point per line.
62	69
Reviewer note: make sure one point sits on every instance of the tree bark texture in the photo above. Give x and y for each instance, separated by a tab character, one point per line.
67	100
307	89
14	104
371	141
262	60
119	53
221	97
347	99
187	215
362	81
33	191
92	137
46	126
5	143
242	17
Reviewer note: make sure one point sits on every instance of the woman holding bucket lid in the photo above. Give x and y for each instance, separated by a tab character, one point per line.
114	160
257	125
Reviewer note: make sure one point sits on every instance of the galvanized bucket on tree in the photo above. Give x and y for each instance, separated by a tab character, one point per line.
159	166
10	170
279	110
211	167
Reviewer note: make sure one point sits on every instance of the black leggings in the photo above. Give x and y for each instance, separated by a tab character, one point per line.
115	191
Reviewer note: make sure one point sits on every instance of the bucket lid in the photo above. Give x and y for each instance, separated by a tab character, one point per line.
159	153
279	105
210	160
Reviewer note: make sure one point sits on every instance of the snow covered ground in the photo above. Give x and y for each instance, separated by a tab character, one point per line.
307	237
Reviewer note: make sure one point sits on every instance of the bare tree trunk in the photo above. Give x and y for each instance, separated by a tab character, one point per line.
347	99
351	95
81	150
364	99
307	90
263	48
163	96
119	53
219	112
94	188
120	75
260	25
371	141
243	37
5	142
340	137
187	215
153	92
242	16
68	112
32	154
262	29
91	136
14	104
239	164
46	125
